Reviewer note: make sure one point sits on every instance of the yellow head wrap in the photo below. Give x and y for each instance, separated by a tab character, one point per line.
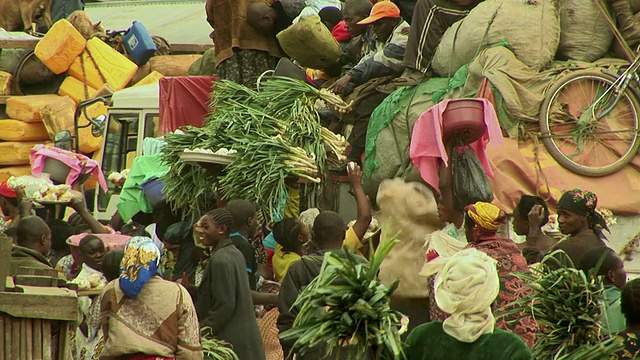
485	215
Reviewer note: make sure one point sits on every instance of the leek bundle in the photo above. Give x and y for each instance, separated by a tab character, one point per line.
567	305
215	349
277	135
347	309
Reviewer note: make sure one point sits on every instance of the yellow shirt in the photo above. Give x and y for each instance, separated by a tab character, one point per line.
292	206
352	242
282	260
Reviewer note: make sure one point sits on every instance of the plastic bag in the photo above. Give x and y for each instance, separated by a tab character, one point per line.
470	183
31	184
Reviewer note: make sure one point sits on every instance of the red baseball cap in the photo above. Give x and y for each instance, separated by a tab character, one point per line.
381	10
6	191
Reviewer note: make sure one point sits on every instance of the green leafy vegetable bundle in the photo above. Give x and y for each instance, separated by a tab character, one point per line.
567	305
277	135
347	309
215	349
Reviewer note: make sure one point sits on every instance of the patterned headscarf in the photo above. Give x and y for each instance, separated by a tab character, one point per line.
486	215
584	202
139	265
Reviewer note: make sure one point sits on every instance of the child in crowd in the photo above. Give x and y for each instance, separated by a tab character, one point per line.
290	234
244	228
111	264
630	305
329	234
224	297
608	265
60	232
89	333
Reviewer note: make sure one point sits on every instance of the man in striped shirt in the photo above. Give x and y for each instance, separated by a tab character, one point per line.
431	18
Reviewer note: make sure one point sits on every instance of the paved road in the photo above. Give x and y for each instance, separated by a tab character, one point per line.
176	21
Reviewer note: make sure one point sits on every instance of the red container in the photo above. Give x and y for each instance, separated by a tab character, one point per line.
463	120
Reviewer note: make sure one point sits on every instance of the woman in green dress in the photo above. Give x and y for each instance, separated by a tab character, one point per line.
466	286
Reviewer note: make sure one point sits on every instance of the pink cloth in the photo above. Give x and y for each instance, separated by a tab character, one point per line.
427	145
40	153
111	241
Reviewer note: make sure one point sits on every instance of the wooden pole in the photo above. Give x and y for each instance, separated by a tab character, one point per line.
5	259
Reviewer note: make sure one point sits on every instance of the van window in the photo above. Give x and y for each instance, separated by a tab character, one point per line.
152	125
120	150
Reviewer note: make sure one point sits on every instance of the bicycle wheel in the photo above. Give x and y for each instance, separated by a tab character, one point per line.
584	129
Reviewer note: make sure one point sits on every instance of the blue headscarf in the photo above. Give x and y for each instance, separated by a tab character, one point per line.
139	265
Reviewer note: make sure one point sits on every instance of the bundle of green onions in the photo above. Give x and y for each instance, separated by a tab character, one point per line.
567	305
188	188
346	309
261	169
215	349
277	135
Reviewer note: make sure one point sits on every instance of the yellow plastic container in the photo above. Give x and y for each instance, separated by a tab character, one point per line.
152	78
8	171
27	108
74	89
16	153
60	47
88	142
58	115
5	83
115	67
16	130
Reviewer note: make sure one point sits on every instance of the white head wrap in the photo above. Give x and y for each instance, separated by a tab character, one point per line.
465	287
308	216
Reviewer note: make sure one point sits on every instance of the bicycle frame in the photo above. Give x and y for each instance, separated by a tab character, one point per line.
619	87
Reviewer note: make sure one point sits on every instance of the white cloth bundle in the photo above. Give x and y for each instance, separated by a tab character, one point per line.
466	285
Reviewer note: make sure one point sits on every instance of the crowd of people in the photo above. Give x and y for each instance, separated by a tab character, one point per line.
228	277
238	276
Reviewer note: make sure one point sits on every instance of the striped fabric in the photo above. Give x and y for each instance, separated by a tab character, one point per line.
385	59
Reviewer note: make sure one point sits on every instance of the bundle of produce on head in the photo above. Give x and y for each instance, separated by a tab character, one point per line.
273	135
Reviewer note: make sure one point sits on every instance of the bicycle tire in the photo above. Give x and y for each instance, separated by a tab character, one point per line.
547	131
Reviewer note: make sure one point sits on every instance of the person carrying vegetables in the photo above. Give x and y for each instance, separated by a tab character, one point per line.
241	52
288	237
328	233
466	288
355	235
224	297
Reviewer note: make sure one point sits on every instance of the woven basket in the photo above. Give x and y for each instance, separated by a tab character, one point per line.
269	333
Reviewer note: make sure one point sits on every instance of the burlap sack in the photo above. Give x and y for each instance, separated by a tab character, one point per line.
531	28
409	210
585	34
388	147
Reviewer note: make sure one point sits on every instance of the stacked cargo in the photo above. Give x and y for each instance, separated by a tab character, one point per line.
21	132
35	119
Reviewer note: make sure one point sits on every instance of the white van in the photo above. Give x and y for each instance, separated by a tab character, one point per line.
133	116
